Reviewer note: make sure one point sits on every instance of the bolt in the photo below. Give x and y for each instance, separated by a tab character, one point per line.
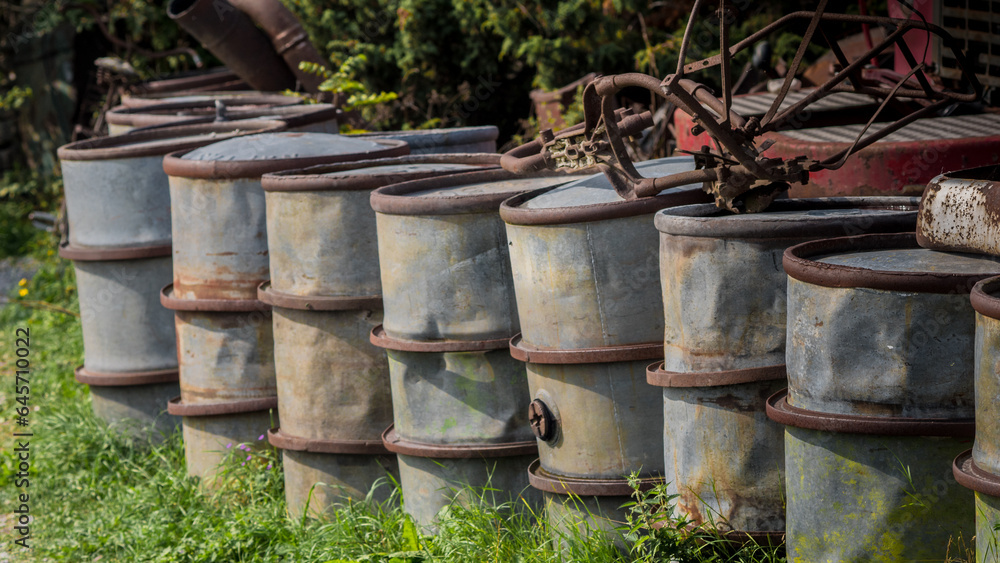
543	424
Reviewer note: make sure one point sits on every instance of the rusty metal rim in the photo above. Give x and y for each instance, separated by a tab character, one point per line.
393	200
580	486
126	379
210	305
110	253
798	265
656	375
185	80
512	212
175	165
283	441
780	411
704	220
379	338
161	113
983	300
178	408
971	476
601	355
268	295
312	179
123	146
398	445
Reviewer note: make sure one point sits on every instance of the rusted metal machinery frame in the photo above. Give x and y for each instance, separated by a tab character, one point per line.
740	177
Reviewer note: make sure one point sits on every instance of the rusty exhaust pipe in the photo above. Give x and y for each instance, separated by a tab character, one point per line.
287	36
230	35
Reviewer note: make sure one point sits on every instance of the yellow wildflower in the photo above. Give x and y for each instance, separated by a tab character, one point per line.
23	292
23	282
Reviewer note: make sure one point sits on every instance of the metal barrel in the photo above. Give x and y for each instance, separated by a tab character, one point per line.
333	386
978	469
133	402
957	214
116	191
724	301
440	141
584	261
213	431
122	119
227	376
124	327
880	399
322	235
459	399
218	205
443	256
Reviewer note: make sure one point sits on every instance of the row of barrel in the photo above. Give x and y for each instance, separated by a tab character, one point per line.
520	318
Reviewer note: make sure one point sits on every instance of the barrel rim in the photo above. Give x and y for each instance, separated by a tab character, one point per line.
292	122
176	166
542	480
454	135
397	445
284	441
125	378
968	474
701	220
657	376
392	200
184	80
270	296
983	300
513	214
598	355
143	116
179	408
780	411
232	88
379	337
311	179
116	147
210	305
113	253
798	265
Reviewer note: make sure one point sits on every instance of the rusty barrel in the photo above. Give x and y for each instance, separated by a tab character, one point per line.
122	119
227	381
218	206
459	399
978	469
724	302
117	194
584	267
333	384
880	399
481	139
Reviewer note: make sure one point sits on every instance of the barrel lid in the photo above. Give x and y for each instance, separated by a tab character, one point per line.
594	199
892	262
832	217
427	138
467	192
174	111
255	155
149	99
376	173
161	141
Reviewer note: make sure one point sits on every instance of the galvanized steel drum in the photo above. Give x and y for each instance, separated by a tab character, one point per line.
880	372
584	261
218	205
443	256
212	433
122	119
440	141
724	302
226	349
317	481
124	327
116	191
322	235
135	403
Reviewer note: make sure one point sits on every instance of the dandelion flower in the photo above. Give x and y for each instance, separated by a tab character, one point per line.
23	292
51	252
23	282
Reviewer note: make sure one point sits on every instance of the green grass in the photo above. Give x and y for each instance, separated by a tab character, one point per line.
99	495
